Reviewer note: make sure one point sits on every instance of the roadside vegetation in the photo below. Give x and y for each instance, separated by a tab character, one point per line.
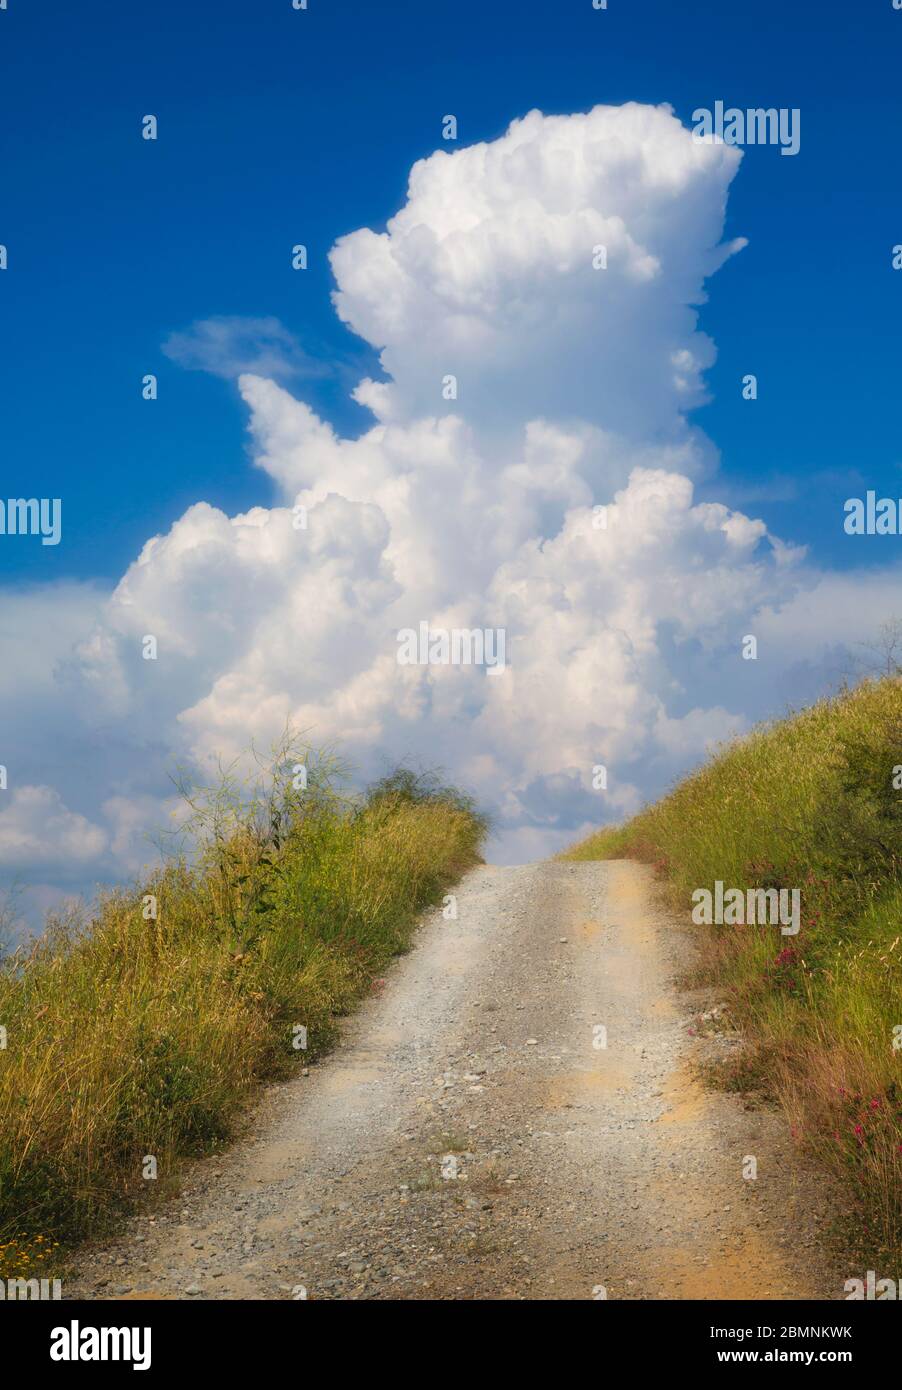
137	1031
812	802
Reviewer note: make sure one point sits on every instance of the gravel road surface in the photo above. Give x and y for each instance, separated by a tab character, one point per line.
514	1114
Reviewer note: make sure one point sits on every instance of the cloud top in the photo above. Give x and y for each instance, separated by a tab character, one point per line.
491	272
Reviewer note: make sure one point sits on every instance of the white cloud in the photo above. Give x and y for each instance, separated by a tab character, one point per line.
227	345
623	642
487	273
138	830
37	829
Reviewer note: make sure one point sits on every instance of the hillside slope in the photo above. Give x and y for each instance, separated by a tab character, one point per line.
812	803
134	1037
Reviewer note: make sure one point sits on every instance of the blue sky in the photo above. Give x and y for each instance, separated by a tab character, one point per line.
279	126
129	257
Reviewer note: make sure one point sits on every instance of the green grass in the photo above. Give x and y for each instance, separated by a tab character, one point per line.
131	1036
812	803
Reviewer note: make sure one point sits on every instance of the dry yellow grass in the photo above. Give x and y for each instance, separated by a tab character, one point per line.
131	1037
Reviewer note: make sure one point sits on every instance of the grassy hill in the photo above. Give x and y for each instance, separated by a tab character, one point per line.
813	802
140	1031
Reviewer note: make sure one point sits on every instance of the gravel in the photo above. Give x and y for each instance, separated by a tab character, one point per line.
584	1163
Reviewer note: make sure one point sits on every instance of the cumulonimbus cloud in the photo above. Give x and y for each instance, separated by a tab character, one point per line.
555	274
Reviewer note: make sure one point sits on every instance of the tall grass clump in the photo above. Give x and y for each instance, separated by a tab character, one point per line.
813	802
140	1029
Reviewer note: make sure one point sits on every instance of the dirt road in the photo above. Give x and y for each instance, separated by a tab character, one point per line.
513	1115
